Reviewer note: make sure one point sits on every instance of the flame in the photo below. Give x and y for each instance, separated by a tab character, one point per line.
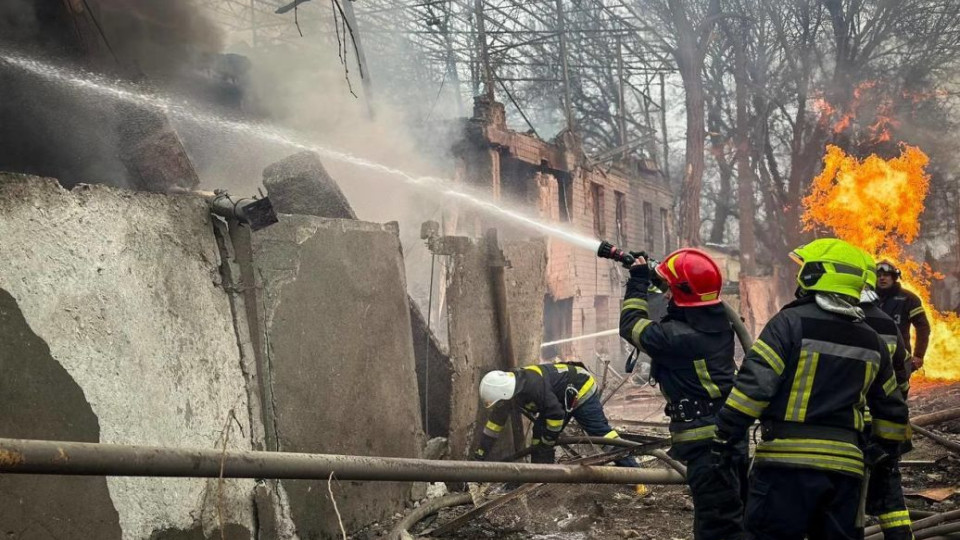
876	204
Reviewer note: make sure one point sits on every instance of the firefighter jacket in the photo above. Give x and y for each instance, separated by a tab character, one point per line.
905	308
883	325
546	392
808	378
691	351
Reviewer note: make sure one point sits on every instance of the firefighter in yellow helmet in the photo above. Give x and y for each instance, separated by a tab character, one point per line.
807	379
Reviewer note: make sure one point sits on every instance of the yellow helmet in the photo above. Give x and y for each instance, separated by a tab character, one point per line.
831	265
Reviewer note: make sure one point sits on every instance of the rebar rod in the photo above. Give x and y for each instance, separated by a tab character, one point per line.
21	456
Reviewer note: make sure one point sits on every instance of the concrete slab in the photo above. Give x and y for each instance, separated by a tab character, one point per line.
338	344
123	289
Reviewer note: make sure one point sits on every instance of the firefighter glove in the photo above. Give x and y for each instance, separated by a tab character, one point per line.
640	271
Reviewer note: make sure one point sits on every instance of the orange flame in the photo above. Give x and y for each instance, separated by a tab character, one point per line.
876	204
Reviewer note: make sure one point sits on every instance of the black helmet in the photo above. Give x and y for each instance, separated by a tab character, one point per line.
887	267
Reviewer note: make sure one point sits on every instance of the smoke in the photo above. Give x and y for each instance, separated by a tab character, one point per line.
306	89
53	131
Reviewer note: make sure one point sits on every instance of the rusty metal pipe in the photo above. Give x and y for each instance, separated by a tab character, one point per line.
21	456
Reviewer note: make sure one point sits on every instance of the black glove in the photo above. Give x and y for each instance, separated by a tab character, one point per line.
722	450
640	271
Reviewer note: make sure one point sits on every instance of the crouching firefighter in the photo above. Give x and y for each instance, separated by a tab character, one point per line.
691	352
885	488
550	395
807	379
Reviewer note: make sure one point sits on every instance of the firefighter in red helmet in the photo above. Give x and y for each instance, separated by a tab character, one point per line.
691	352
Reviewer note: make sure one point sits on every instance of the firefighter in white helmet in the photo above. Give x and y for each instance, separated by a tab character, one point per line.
549	394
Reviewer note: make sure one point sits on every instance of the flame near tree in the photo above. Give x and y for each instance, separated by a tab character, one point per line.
876	205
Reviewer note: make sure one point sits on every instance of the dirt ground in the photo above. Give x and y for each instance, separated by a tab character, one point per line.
666	512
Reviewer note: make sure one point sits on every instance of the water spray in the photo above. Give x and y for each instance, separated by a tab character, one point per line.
121	91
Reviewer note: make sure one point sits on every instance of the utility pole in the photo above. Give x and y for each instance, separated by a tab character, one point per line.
621	102
563	60
484	54
663	126
253	22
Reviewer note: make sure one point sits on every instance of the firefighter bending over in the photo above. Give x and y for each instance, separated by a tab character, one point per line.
550	395
692	360
807	379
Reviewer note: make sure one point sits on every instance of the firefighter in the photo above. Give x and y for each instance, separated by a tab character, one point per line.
906	309
807	379
691	352
550	395
885	490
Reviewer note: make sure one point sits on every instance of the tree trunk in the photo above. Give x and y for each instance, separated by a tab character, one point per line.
745	177
691	64
724	201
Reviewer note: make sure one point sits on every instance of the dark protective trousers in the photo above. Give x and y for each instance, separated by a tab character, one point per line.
885	500
794	503
717	497
591	418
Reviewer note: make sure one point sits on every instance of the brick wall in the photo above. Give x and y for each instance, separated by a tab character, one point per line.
572	271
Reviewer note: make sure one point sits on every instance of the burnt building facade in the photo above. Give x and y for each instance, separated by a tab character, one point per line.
627	202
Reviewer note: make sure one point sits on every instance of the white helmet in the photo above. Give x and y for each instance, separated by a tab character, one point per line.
496	386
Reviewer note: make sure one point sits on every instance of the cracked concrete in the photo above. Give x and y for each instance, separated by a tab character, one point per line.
125	290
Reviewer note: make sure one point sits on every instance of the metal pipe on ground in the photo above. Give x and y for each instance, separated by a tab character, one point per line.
936	418
874	532
937	438
22	456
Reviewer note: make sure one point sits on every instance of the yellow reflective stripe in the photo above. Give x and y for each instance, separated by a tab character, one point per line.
916	311
802	387
638	329
554	425
745	404
813	446
561	368
704	375
549	442
890	385
480	452
891	431
534	441
767	353
869	373
612	434
493	426
587	386
814	461
535	369
900	518
695	434
904	386
633	303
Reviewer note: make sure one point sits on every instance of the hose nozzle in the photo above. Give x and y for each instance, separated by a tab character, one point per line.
612	252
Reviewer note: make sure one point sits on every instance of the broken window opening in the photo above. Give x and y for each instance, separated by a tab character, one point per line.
648	235
596	194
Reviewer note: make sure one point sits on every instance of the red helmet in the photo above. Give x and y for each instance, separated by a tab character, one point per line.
694	278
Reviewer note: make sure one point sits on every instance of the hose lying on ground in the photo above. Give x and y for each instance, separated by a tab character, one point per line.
426	509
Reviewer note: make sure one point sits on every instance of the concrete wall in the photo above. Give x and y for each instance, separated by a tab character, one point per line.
340	354
474	335
115	328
